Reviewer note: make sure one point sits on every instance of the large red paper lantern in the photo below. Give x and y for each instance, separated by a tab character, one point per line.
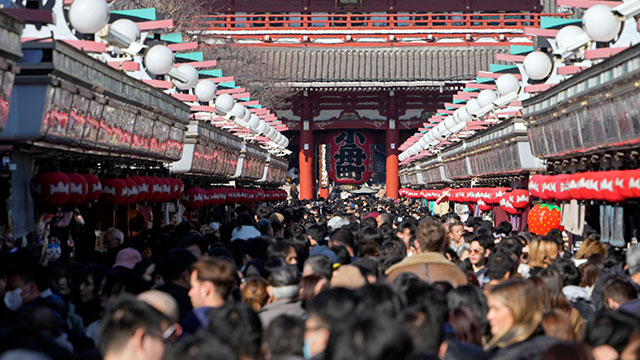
495	194
166	189
590	188
94	186
193	198
562	187
507	204
535	186
51	189
132	192
575	182
631	184
351	156
484	206
143	187
114	191
155	188
549	188
612	186
177	188
520	198
78	189
544	217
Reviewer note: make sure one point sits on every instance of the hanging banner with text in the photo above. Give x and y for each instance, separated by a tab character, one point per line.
351	156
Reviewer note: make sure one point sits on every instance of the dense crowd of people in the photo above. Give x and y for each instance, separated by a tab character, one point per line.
361	278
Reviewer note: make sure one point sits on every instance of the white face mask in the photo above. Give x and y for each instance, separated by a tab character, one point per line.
13	299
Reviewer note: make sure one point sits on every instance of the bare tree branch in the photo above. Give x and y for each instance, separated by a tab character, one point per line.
261	79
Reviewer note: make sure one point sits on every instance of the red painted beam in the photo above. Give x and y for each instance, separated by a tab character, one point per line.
585	4
490	75
183	46
537	88
124	65
203	108
155	25
480	86
221	79
570	69
88	46
507	57
161	84
198	64
241	95
603	53
230	91
185	97
532	31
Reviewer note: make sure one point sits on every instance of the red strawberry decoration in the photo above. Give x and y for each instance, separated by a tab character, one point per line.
543	218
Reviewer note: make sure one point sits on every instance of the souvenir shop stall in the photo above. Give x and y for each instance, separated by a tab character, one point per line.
574	93
115	122
587	129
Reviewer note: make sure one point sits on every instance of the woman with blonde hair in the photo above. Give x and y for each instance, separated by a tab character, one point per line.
542	252
590	246
515	315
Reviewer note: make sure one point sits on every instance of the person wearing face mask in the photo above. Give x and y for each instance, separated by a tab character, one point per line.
21	288
326	310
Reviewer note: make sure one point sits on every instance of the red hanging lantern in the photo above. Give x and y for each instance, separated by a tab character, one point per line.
631	184
612	186
260	195
549	187
484	206
535	186
114	192
520	198
94	186
177	188
78	189
495	194
222	193
155	190
193	198
51	189
232	195
132	192
562	187
507	204
590	187
576	181
143	187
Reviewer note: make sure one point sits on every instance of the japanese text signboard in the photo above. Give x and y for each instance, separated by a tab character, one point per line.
351	156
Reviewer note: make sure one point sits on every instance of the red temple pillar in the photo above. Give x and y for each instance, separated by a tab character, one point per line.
306	150
392	137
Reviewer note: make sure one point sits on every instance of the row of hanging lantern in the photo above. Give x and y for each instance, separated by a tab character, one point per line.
513	201
92	17
601	24
610	186
198	197
57	189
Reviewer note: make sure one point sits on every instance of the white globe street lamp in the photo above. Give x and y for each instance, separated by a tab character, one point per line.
600	23
224	104
89	16
206	90
537	65
507	83
191	74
